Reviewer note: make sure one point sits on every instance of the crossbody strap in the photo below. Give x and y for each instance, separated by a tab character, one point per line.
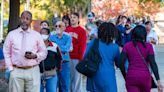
43	76
96	43
139	51
43	67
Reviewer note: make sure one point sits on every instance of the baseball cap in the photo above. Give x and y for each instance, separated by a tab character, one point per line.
90	15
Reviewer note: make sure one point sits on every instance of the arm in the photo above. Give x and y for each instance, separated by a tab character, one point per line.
151	59
2	65
122	61
7	48
83	42
154	39
119	39
128	31
59	58
117	56
153	66
42	51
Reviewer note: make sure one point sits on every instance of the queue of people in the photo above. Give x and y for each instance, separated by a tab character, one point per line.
46	61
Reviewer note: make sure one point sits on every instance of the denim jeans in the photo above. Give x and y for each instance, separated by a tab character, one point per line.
64	77
51	84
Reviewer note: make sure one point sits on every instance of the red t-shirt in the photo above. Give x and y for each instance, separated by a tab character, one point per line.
79	40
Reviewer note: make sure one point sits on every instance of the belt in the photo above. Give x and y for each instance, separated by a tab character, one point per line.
24	67
64	53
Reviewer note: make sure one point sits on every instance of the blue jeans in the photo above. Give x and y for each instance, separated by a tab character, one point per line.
51	84
64	77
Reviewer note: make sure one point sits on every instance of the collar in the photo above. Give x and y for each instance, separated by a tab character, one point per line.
50	43
61	36
56	36
27	31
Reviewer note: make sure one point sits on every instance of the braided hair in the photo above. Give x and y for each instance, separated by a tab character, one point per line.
106	32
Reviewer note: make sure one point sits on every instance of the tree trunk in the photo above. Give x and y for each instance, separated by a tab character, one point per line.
14	14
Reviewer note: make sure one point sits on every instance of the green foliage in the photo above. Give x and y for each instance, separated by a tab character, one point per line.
162	4
144	1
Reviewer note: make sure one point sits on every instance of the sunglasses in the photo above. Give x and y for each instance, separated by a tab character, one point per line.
58	26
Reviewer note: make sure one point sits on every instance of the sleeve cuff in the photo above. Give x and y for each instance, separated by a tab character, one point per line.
37	57
10	68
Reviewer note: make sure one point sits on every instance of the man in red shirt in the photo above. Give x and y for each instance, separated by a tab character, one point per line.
79	40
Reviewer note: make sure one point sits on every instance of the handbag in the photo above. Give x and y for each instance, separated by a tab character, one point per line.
153	83
48	73
90	63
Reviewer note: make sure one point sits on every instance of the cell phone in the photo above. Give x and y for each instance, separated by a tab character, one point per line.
28	52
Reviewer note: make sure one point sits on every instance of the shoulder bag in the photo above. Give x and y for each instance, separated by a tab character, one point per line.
90	63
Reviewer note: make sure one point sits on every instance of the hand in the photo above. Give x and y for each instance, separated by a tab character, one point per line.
153	41
30	55
7	74
160	87
2	66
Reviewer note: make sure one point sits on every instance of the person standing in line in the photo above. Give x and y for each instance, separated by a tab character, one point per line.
52	64
64	41
118	33
125	33
139	54
151	34
23	50
44	24
79	40
105	80
67	21
91	27
54	21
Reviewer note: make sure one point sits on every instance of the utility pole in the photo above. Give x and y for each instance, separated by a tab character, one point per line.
1	29
27	5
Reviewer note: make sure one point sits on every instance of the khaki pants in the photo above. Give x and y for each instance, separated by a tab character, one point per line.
25	80
76	77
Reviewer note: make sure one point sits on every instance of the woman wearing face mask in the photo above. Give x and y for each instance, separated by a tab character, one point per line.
50	65
64	41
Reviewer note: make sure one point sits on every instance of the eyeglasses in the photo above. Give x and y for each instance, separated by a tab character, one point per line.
58	26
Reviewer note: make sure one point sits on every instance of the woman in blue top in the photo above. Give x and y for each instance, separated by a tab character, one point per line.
105	79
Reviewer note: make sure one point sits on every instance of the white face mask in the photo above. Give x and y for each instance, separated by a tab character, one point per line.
44	37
